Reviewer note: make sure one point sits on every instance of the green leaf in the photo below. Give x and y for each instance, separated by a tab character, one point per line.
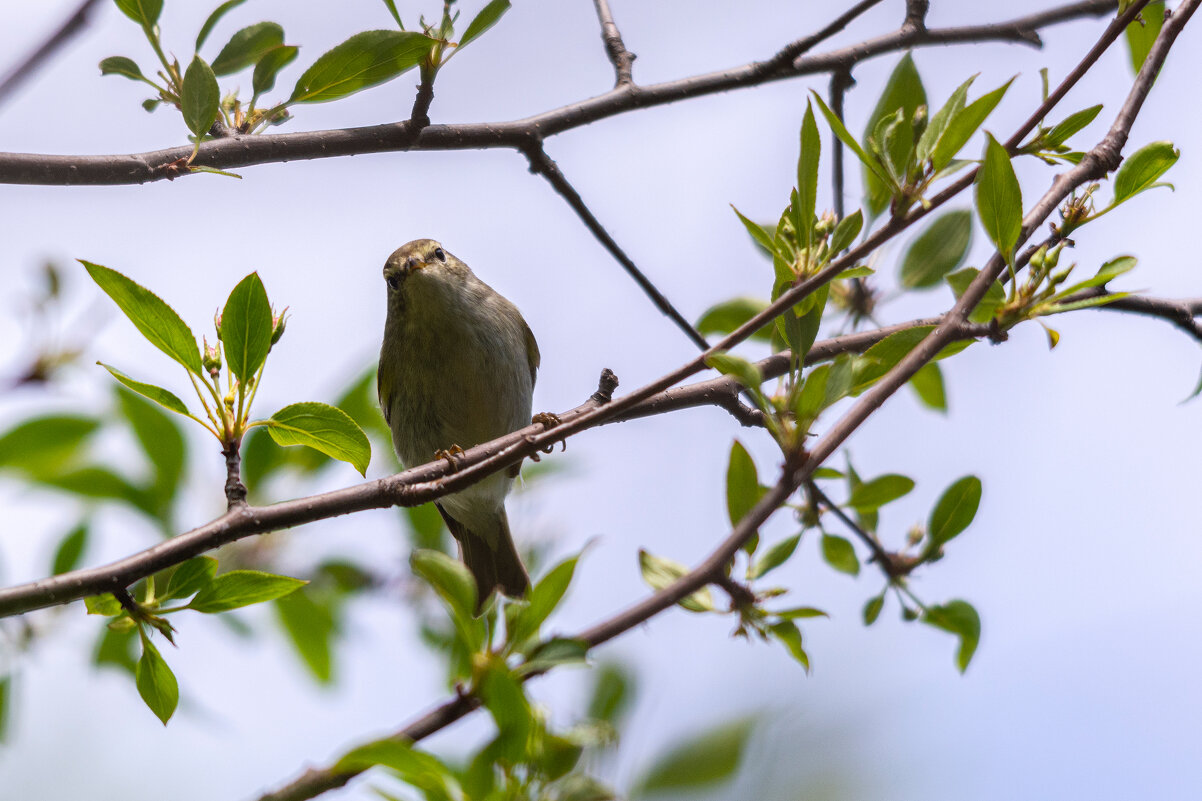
156	683
200	97
787	632
239	588
774	557
1142	32
999	198
366	59
105	604
882	357
743	489
213	19
310	626
544	597
840	130
157	321
450	578
961	619
611	694
840	554
812	398
321	427
70	550
555	652
1142	168
964	125
759	234
190	577
955	509
659	572
940	121
6	691
162	442
725	317
269	66
994	297
698	762
872	609
391	5
927	384
96	482
144	12
247	46
1106	273
502	695
1060	133
872	495
903	91
807	175
798	613
246	328
423	771
120	65
745	371
163	397
937	251
45	445
845	233
487	17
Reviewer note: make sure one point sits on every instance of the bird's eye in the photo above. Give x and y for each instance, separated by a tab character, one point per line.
394	281
438	254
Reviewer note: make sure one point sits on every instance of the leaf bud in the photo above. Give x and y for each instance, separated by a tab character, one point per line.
278	323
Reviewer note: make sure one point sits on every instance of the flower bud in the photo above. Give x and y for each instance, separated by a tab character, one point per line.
211	359
826	224
217	323
278	323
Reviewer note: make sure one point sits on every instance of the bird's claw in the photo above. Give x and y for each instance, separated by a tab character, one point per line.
449	454
548	420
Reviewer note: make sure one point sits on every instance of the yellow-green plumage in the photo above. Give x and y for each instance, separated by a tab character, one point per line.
457	367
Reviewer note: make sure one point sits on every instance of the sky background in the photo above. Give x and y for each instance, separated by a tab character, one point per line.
1083	560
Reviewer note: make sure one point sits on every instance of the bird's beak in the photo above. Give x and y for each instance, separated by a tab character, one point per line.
412	265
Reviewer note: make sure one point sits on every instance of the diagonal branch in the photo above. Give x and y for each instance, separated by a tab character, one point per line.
70	27
615	48
246	150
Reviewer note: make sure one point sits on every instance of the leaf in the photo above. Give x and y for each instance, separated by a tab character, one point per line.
1142	32
247	46
872	609
417	768
759	235
725	317
321	427
269	66
190	577
246	328
555	652
873	494
961	619
994	297
840	131
799	612
163	397
544	597
1106	273
156	683
845	233
812	398
1142	168
310	626
743	489
450	578
999	198
101	483
699	761
502	694
487	17
927	384
745	371
200	98
840	554
774	557
787	632
44	445
213	19
70	550
144	12
940	121
105	604
611	694
659	572
964	125
1060	133
6	691
120	65
903	91
884	356
937	251
239	588
364	60
162	442
955	509
391	5
157	321
807	175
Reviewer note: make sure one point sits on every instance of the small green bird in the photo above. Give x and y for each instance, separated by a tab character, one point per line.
457	368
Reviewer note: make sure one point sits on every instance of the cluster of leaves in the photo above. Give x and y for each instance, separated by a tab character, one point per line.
364	60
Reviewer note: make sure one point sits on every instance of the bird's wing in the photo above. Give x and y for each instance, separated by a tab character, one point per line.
383	382
532	355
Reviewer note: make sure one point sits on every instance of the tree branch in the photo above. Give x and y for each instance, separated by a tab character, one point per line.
70	27
615	48
246	150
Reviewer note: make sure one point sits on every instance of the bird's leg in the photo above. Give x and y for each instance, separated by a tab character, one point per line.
548	420
449	454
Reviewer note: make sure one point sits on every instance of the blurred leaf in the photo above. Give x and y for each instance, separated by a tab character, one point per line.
745	371
120	65
105	605
44	445
364	60
994	297
453	582
904	91
161	441
807	174
246	328
1061	131
360	401
213	19
961	619
70	549
1142	32
725	317
882	357
6	691
544	597
937	251
798	613
502	695
322	427
927	383
144	12
964	125
1142	168
116	648
310	625
200	98
487	17
164	398
611	696
239	588
872	609
555	652
190	577
840	554
712	757
100	483
659	572
428	528
955	509
743	489
787	632
269	66
999	198
773	557
424	771
156	683
582	787
874	494
157	321
246	47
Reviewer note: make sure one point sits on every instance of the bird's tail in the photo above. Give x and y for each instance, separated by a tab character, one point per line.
492	568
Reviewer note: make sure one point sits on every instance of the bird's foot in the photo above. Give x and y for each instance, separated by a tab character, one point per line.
548	420
449	454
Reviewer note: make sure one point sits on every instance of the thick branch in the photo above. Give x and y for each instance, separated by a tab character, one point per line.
70	27
615	48
1181	313
245	150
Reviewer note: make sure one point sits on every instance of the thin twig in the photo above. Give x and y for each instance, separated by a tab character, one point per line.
70	27
1181	313
890	564
615	48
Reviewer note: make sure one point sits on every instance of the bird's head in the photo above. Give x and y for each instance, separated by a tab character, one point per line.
421	257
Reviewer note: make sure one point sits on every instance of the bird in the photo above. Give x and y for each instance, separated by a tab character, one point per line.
457	368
